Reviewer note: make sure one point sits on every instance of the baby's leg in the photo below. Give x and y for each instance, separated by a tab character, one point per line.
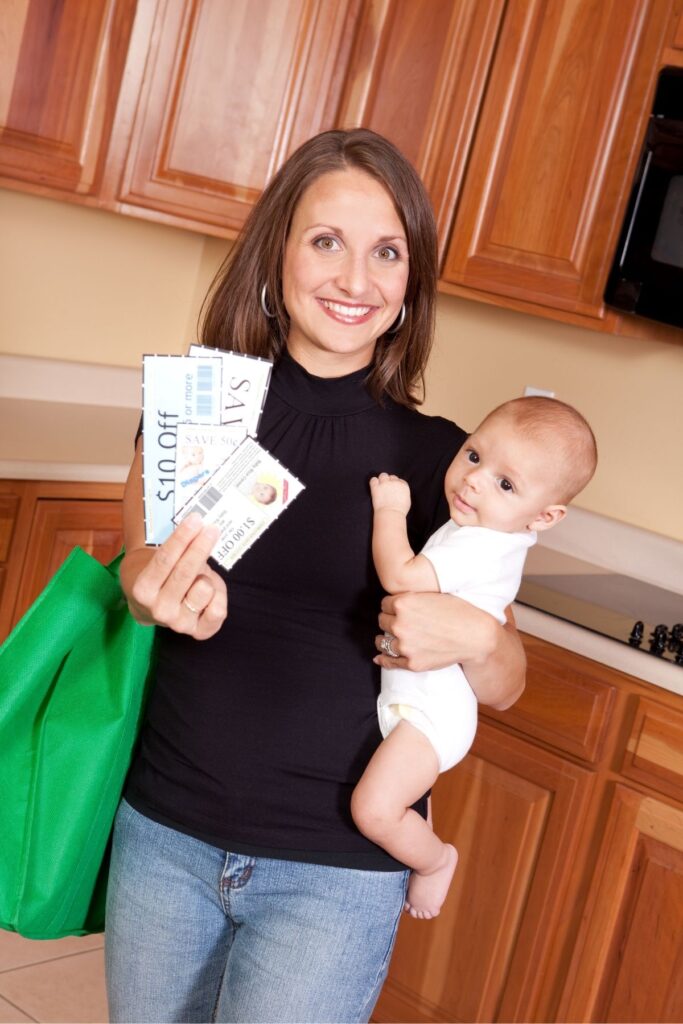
402	769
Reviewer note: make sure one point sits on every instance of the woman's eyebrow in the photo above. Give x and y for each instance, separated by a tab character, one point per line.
382	240
324	227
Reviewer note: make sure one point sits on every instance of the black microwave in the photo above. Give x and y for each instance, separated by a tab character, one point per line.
647	274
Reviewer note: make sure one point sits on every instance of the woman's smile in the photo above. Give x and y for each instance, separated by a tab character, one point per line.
346	313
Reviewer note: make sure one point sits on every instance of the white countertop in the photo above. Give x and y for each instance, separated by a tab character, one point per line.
66	421
626	659
620	548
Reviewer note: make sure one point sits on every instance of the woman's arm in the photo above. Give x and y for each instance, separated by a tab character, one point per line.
171	585
436	630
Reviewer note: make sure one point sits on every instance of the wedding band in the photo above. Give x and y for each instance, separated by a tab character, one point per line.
190	607
386	645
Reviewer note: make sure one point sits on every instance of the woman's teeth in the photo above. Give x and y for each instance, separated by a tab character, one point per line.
336	307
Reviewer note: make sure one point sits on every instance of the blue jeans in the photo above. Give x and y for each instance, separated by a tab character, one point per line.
197	934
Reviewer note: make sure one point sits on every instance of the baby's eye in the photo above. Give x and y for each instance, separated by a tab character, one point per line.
327	243
388	253
505	485
472	456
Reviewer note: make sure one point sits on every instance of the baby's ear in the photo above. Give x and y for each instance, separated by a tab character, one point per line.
550	516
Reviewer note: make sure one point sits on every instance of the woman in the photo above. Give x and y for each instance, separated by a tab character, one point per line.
240	889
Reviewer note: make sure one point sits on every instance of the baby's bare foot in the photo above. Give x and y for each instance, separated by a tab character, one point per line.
426	892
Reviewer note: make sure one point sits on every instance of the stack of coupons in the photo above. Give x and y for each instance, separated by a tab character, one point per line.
200	416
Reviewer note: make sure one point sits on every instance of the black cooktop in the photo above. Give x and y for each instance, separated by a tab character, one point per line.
640	614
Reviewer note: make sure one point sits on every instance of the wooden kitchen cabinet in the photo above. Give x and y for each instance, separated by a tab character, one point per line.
567	705
10	504
417	75
567	902
228	91
510	810
628	960
557	143
42	523
61	66
176	110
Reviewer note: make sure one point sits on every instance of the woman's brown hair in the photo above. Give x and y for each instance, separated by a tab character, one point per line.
234	318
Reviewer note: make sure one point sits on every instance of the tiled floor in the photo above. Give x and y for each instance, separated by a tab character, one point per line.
60	981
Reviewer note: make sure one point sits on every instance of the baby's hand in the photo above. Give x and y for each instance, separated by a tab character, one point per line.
389	491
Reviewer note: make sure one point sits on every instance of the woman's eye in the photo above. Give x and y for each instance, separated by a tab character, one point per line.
472	456
326	243
505	485
387	253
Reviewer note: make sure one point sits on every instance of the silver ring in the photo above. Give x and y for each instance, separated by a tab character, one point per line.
190	607
386	645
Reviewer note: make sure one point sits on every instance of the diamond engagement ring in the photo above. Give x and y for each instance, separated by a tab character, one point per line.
386	645
190	607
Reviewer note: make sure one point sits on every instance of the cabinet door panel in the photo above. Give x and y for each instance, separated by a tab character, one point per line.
9	510
567	703
556	147
678	36
57	527
12	539
229	90
60	69
511	810
628	961
417	76
9	507
654	750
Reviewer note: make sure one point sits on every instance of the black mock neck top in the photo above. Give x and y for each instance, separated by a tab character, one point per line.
254	739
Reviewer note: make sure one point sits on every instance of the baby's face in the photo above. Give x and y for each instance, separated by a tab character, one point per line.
193	454
264	493
501	479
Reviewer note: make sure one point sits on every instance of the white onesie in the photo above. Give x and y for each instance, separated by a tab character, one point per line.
483	567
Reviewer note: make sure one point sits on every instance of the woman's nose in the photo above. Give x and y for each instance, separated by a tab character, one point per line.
352	275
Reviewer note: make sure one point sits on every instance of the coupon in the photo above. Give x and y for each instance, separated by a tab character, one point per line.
244	386
175	389
243	497
200	450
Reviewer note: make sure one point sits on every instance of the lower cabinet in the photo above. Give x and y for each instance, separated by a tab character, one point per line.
40	523
510	810
628	961
567	903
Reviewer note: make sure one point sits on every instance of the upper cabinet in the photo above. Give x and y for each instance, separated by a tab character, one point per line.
61	65
225	92
524	117
556	147
417	75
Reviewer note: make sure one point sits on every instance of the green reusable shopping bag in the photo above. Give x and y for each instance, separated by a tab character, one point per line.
73	676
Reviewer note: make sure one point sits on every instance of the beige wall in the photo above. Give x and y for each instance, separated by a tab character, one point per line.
82	285
631	391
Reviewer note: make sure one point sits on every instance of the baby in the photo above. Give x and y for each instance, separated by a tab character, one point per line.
513	477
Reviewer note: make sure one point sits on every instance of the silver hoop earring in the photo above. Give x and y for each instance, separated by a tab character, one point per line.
266	311
400	322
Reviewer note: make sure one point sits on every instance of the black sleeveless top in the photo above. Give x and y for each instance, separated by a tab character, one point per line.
253	740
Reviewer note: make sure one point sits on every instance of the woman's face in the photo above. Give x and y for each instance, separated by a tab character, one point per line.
345	272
